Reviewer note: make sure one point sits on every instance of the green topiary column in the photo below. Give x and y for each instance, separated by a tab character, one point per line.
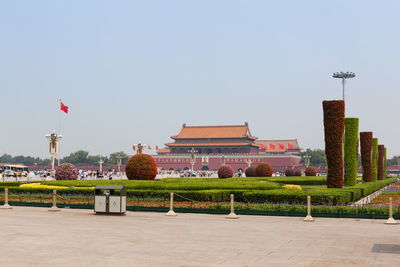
374	159
381	157
350	151
384	165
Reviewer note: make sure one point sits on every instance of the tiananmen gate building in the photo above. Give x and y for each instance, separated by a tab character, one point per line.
232	145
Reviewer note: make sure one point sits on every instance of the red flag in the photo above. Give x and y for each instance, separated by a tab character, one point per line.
281	146
290	146
149	147
271	146
263	146
64	107
134	148
156	147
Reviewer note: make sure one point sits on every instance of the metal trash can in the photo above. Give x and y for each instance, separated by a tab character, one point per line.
107	201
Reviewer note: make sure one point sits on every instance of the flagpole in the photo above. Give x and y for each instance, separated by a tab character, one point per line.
59	117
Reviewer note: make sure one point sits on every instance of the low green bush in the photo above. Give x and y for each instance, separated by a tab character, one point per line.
304	180
256	191
368	188
181	184
318	196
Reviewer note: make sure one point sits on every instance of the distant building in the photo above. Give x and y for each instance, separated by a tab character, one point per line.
232	145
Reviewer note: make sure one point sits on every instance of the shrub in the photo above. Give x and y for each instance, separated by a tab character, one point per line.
374	159
141	167
292	186
225	172
381	156
351	151
333	129
289	172
251	172
311	171
366	155
66	171
297	173
264	169
299	180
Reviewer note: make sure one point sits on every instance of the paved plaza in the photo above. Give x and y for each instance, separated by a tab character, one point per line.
34	236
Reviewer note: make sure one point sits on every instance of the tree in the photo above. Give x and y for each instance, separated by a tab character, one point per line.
79	157
26	160
393	161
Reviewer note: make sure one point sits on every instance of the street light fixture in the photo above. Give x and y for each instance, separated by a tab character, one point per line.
344	76
307	159
53	149
192	157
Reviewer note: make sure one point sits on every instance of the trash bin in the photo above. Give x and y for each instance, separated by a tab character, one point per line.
107	201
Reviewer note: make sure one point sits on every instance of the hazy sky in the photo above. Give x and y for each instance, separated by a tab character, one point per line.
137	70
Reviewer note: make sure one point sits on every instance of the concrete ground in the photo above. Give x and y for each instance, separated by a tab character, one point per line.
34	236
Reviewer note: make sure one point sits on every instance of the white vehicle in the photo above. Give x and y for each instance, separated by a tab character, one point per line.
13	170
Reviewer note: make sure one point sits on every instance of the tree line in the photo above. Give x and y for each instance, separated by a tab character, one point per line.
318	158
82	157
79	157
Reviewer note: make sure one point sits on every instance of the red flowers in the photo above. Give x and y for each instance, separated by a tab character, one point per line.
334	129
366	155
264	170
141	167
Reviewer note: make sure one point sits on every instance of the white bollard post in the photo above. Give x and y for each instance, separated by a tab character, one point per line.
171	211
54	208
232	215
308	218
391	220
6	206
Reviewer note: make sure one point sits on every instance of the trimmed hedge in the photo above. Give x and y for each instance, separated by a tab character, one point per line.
369	188
334	129
318	195
351	151
304	180
374	159
244	183
366	155
381	157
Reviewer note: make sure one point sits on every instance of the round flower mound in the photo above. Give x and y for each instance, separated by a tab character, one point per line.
311	171
289	172
264	170
141	167
297	173
66	171
251	172
225	172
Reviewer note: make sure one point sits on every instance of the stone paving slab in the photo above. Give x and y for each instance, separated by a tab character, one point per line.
35	237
